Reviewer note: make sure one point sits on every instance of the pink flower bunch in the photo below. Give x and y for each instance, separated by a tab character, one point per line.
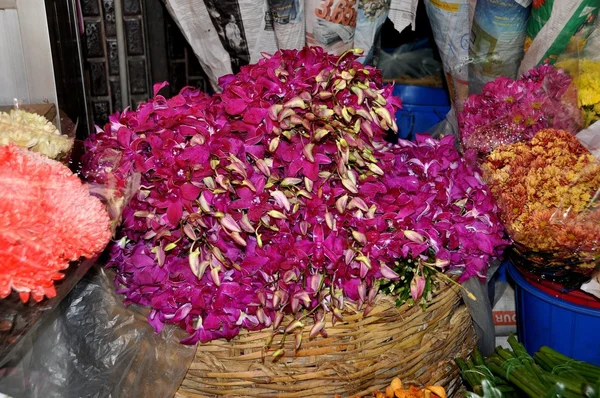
279	195
47	219
509	111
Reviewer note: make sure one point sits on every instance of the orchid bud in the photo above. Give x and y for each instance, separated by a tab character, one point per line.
204	203
387	272
214	274
274	111
359	237
375	169
298	341
274	144
259	241
347	117
394	126
372	294
209	182
341	203
339	85
278	319
417	285
289	181
303	296
194	260
296	120
260	315
349	185
366	127
148	235
307	152
294	304
363	270
362	291
295	102
188	230
329	220
356	127
359	94
304	227
380	100
287	112
277	214
365	260
290	276
304	193
316	329
281	199
262	297
262	166
230	224
325	94
320	133
237	238
358	203
245	224
385	115
160	255
348	256
414	236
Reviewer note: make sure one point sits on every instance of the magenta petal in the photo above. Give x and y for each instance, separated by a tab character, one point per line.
155	322
255	115
159	86
174	212
235	106
124	137
189	191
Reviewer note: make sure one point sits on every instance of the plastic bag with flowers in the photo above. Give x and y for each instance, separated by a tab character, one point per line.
523	132
514	110
547	189
279	195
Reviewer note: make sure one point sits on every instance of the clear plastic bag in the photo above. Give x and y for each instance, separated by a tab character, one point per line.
94	346
405	61
514	110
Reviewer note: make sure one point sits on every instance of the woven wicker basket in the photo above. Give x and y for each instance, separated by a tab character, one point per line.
360	355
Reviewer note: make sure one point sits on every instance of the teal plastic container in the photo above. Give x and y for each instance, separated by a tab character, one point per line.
542	319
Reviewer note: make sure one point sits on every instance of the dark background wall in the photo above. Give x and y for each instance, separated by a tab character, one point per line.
89	82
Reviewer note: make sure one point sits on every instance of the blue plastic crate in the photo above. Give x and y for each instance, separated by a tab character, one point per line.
546	320
422	108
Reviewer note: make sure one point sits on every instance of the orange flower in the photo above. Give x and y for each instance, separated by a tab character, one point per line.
544	189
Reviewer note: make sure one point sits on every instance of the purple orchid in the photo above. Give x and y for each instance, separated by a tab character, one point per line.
279	195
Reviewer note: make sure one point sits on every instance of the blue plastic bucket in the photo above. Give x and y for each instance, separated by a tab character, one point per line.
546	320
422	108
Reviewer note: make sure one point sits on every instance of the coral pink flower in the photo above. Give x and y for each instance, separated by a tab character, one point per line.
47	219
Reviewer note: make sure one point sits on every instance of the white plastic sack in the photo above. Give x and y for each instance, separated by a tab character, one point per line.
227	34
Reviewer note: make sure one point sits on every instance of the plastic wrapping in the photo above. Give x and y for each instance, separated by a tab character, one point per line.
558	28
94	346
514	110
451	21
497	36
405	61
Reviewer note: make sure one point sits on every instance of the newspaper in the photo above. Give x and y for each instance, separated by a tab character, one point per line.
227	34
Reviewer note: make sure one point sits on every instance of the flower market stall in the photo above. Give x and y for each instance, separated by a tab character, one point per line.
277	239
306	225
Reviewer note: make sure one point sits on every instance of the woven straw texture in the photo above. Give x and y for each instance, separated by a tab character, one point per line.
360	354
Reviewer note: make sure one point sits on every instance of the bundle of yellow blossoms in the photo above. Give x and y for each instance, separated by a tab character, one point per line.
546	190
587	79
33	132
